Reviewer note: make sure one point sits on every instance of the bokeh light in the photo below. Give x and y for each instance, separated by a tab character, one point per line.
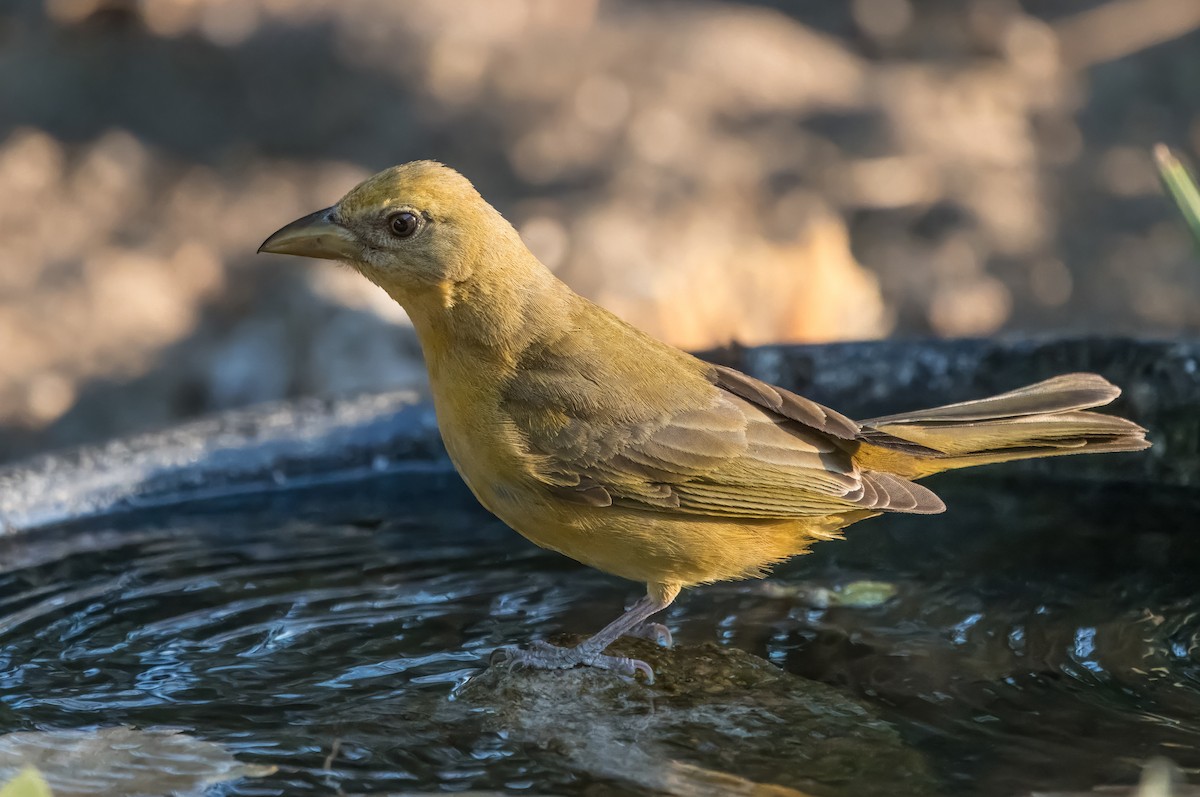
711	171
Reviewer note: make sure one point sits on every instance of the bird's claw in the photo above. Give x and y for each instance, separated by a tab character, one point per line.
637	666
544	656
502	656
657	633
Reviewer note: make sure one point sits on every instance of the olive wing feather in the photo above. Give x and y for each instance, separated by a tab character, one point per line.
752	451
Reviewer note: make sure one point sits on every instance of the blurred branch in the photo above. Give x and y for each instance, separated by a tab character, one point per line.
1122	27
1181	186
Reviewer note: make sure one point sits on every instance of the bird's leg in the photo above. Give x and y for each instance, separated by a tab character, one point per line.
590	652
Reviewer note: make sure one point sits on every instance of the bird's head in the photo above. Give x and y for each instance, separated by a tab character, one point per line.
410	227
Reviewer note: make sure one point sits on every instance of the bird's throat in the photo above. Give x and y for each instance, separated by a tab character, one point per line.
488	322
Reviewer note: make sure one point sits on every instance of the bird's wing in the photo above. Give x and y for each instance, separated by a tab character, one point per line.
753	451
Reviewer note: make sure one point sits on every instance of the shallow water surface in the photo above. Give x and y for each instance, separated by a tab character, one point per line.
1040	636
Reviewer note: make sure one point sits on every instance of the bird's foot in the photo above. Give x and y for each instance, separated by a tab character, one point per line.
657	633
544	656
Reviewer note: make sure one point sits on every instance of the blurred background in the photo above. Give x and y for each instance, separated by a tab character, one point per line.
710	171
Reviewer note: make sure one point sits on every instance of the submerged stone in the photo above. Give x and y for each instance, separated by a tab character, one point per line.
710	712
119	761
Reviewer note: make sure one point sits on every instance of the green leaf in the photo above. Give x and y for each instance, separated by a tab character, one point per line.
28	783
1181	186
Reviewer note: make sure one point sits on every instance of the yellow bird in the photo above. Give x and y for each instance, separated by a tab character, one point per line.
595	440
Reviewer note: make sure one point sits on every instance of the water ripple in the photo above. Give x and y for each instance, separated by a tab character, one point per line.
1014	665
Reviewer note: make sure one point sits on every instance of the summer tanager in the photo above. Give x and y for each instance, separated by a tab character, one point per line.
595	440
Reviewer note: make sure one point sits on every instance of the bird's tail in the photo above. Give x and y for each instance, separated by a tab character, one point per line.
1047	419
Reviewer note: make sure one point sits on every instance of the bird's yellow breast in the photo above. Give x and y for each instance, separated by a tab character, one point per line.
650	547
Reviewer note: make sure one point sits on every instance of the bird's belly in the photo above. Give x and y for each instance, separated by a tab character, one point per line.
650	547
640	545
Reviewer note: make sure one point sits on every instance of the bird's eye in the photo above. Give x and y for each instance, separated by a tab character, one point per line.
404	223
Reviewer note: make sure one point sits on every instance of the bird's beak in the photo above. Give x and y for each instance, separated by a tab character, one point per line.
315	235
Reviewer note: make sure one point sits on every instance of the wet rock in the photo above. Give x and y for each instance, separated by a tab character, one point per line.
271	447
782	734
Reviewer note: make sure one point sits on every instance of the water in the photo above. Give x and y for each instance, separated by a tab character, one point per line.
1041	636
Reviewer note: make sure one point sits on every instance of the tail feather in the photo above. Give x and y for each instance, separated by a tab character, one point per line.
1059	394
1042	420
